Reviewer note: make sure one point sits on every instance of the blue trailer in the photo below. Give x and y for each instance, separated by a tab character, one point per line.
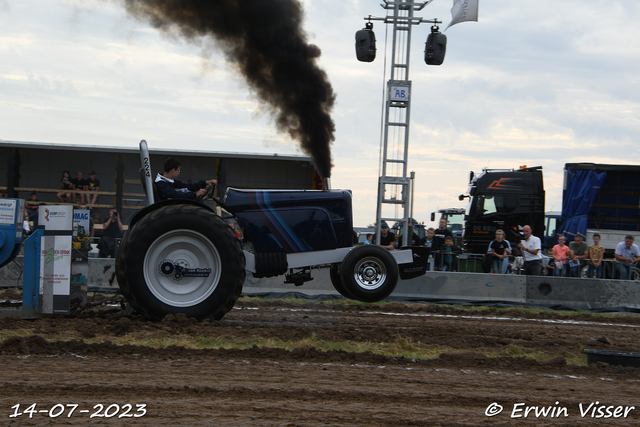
603	199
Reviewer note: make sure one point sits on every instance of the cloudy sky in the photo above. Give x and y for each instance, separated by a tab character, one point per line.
532	83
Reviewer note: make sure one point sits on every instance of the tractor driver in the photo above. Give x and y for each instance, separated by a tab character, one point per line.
170	188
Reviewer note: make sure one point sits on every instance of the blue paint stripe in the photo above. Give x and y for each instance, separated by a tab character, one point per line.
274	225
288	232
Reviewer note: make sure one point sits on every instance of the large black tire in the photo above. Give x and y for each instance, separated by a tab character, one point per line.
181	259
336	280
369	273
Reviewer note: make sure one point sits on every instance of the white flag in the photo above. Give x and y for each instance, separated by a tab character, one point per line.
463	10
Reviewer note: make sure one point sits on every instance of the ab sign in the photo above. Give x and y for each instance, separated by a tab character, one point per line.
399	93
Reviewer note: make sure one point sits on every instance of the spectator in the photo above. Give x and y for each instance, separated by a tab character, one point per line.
440	234
428	240
531	247
32	209
170	188
580	250
626	254
449	258
79	184
65	184
414	239
369	239
111	232
93	184
596	252
387	239
91	223
438	240
561	254
500	251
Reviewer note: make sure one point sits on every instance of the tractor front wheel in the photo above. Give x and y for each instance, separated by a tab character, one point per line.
369	273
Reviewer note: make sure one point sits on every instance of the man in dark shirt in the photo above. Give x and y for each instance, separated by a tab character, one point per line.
170	188
112	229
387	238
93	184
438	241
414	239
80	184
440	234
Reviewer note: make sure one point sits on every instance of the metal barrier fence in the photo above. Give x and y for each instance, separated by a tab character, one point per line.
473	263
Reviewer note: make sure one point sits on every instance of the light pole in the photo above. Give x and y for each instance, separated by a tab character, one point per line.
397	103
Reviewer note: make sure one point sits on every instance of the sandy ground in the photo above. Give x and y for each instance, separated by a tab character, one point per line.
308	387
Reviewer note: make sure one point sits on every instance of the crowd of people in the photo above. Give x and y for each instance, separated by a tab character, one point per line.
68	185
566	260
439	241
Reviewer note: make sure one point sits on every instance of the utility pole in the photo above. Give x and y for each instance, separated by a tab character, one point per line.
394	186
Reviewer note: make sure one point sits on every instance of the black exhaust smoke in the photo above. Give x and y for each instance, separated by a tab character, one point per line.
265	41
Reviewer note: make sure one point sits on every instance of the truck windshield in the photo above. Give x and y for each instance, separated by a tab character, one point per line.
487	205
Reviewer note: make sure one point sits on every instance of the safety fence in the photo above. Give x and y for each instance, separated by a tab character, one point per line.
475	263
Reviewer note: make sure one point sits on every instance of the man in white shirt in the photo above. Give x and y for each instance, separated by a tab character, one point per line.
626	254
531	247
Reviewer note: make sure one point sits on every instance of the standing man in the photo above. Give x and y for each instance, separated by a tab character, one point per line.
580	249
531	247
387	240
440	234
170	188
414	239
93	184
112	230
438	240
626	254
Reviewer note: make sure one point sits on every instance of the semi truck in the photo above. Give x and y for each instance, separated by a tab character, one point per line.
506	199
180	256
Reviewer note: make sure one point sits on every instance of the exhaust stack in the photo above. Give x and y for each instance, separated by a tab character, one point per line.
326	184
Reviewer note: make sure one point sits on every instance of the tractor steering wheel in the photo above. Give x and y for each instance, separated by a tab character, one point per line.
209	193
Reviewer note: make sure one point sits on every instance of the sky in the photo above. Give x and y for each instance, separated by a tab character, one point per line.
531	83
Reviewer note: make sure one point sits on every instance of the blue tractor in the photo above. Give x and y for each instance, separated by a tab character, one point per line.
179	256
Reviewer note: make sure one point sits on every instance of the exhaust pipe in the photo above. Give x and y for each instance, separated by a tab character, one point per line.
146	167
326	184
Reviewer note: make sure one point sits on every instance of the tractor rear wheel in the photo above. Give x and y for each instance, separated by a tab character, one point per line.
181	259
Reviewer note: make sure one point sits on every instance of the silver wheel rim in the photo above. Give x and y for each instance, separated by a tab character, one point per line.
370	273
187	249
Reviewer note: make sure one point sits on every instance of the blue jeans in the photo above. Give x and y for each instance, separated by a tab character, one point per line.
575	269
564	271
597	270
500	265
625	270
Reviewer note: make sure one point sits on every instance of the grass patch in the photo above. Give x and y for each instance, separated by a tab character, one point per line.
398	347
470	308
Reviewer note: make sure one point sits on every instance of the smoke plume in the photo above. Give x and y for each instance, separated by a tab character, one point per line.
265	41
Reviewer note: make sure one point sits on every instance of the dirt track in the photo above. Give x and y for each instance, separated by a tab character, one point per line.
307	386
